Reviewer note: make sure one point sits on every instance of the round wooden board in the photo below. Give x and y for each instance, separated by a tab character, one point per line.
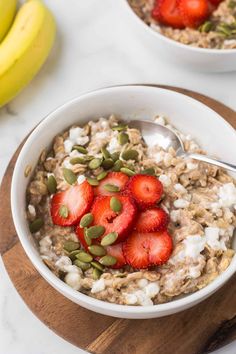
200	329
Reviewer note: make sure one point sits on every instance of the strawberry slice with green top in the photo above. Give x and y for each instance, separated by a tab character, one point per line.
120	222
69	206
142	250
115	181
146	190
153	219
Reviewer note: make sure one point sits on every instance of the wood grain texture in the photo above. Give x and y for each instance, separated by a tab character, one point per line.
198	330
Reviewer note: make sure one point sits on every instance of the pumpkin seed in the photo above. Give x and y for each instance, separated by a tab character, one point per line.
108	260
36	225
97	250
95	231
82	265
109	239
117	166
105	153
89	157
92	181
111	188
86	220
127	171
84	257
97	265
101	175
224	29
123	138
232	4
63	211
71	246
69	176
77	160
73	254
115	156
107	164
87	239
96	274
120	127
130	155
52	184
148	171
95	163
80	149
115	204
206	27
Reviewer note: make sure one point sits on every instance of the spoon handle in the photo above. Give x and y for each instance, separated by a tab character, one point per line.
226	165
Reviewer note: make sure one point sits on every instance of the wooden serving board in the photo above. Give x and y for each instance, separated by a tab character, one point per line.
198	330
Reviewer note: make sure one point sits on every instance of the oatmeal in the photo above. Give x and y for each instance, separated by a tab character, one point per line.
126	223
218	31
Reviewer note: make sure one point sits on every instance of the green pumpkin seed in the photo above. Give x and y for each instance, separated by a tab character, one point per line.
130	155
95	231
77	160
117	166
69	176
96	274
97	265
52	184
95	163
105	153
36	225
115	156
123	138
148	171
224	29
108	260
107	164
73	254
92	181
120	127
88	240
70	246
127	171
84	257
232	4
64	211
206	27
86	220
102	175
80	149
115	204
97	250
89	157
109	239
82	265
111	188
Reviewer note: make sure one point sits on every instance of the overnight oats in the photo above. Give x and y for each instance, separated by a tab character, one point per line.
126	223
199	23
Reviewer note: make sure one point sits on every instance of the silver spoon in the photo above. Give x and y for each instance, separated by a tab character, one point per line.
154	134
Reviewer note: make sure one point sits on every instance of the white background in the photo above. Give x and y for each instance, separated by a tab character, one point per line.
95	47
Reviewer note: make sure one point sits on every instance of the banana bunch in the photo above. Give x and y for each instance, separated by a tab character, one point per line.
26	45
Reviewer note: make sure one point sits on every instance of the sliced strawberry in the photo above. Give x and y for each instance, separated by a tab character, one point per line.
117	179
117	252
215	2
153	219
142	250
146	190
167	13
193	12
72	203
114	222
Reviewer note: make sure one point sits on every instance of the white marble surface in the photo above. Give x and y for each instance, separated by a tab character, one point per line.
94	48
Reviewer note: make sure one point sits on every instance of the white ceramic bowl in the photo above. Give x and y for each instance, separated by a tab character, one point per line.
133	102
197	59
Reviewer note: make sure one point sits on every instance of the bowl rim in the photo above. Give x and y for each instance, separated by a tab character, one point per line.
82	299
172	41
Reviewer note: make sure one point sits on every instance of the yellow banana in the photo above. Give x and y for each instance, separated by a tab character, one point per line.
25	48
7	13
